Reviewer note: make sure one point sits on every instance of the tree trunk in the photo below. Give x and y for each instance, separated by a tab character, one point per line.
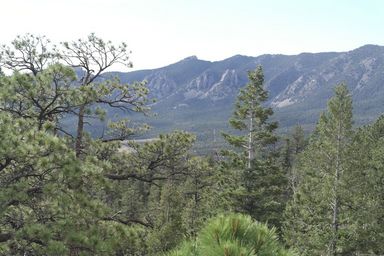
336	201
335	226
250	147
80	122
80	131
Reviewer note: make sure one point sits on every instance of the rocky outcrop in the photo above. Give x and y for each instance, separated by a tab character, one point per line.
301	82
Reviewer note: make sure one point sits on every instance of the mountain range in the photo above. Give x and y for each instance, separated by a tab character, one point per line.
198	95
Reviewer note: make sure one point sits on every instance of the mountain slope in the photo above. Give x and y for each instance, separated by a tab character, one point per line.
198	95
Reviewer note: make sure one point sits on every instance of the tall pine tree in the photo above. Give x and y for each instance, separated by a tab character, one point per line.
366	190
262	183
318	216
252	119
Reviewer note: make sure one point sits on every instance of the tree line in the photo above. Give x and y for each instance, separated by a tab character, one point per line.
64	192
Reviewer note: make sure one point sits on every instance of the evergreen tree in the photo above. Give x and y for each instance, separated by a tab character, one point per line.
262	183
298	139
366	190
45	97
252	117
161	187
51	202
48	202
50	88
293	145
318	218
233	235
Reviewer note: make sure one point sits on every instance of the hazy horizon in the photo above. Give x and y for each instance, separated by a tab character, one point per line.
163	32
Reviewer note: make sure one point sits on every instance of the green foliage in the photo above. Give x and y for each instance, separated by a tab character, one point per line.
319	211
326	213
366	189
251	116
47	202
52	202
261	181
49	88
45	97
28	52
234	235
293	145
263	192
116	196
160	186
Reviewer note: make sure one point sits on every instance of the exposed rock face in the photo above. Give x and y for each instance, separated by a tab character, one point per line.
302	82
227	85
161	84
200	85
290	79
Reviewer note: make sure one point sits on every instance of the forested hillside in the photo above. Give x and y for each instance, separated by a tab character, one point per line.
65	192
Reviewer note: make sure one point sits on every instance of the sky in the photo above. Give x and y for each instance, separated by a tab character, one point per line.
161	32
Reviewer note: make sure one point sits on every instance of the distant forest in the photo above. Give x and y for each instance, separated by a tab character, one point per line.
65	192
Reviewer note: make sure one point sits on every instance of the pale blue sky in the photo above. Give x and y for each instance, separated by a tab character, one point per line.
164	31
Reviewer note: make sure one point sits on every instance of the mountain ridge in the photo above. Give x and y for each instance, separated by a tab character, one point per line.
196	94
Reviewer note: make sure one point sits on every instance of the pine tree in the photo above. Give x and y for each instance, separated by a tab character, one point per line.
49	87
161	187
51	202
262	183
293	145
48	203
366	190
234	235
251	117
317	217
